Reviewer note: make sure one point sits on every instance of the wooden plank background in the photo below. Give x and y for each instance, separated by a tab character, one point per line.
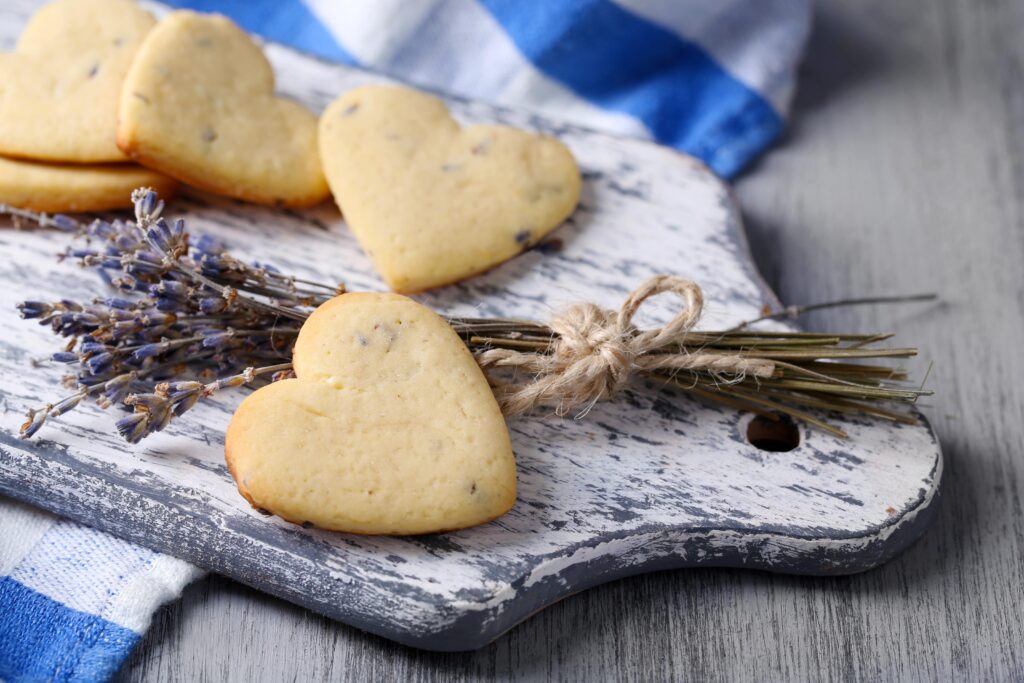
903	171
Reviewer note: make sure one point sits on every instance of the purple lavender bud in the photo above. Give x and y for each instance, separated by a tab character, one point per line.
124	244
154	316
155	405
100	229
185	403
123	329
167	304
117	388
97	260
137	266
35	420
169	288
91	346
64	223
90	318
34	309
99	363
150	402
148	351
86	380
212	304
68	324
165	228
118	303
67	404
210	265
99	310
161	419
184	395
127	283
64	357
146	204
159	235
208	245
216	339
133	427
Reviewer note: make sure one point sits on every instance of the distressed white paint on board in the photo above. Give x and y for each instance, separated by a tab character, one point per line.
649	481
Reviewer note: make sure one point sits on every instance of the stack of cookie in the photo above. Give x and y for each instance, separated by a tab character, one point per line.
95	85
58	105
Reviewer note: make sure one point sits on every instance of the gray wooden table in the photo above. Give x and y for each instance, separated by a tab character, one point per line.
903	171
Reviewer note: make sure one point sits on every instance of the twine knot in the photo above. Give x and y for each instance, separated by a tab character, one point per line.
596	352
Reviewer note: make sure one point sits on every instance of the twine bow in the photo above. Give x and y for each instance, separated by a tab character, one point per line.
596	351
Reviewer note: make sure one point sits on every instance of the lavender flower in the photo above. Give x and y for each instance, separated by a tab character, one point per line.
185	318
155	410
189	312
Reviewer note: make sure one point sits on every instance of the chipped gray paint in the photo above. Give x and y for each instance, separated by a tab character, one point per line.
650	481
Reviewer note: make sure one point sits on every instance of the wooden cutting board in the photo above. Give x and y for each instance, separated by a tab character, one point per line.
652	480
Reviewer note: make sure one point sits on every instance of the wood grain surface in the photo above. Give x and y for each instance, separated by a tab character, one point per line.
903	171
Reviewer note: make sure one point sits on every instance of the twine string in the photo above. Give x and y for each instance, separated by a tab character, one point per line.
596	351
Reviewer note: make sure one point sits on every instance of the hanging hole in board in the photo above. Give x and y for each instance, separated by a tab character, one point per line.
777	436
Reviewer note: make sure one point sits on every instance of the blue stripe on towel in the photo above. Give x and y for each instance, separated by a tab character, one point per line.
33	649
283	21
619	61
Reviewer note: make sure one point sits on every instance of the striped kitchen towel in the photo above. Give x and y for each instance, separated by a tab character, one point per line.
74	601
713	78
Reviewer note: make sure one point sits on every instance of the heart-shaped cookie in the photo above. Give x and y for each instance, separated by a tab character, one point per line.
389	428
431	202
64	188
198	104
59	89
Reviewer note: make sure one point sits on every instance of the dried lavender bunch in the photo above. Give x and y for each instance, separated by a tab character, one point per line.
187	319
189	312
